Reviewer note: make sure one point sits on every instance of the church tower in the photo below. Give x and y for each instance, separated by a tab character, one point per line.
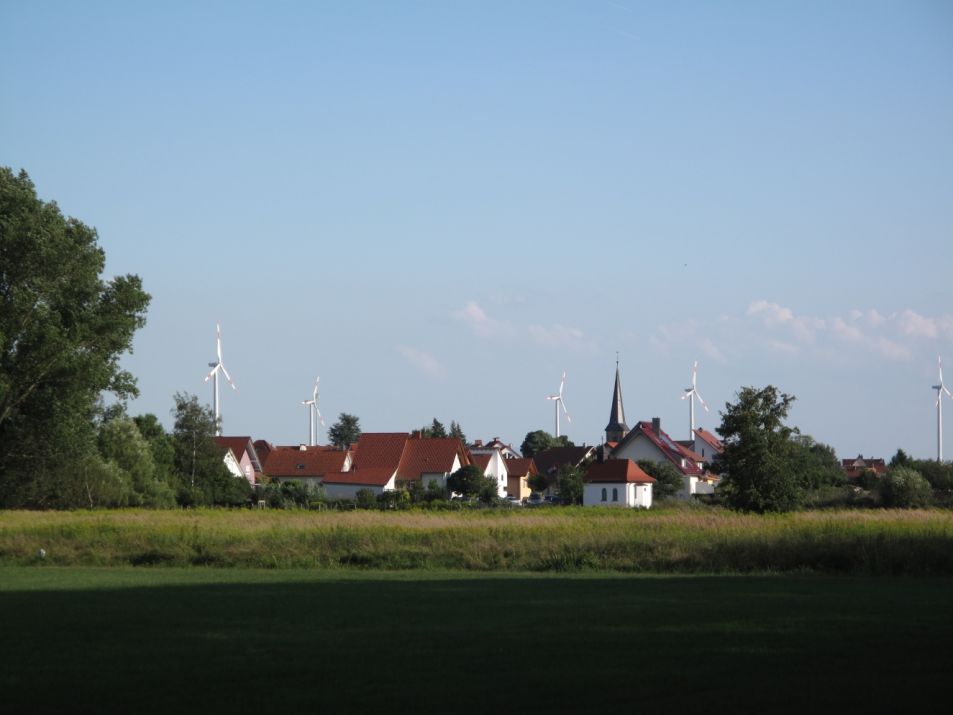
617	429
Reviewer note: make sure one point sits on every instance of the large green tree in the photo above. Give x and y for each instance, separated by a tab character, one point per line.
63	330
758	464
540	440
668	480
345	432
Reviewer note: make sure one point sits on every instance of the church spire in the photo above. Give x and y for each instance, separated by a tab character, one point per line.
617	429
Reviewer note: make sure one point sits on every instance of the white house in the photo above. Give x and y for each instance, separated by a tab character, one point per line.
494	466
707	445
617	483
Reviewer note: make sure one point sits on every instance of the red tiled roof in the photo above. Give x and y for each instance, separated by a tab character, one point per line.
379	450
710	439
856	467
520	467
369	476
430	455
240	445
309	462
617	470
673	451
481	460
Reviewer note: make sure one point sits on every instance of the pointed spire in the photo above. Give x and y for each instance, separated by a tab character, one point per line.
617	429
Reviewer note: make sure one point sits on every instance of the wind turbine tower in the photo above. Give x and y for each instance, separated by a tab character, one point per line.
312	411
940	389
691	393
217	367
560	402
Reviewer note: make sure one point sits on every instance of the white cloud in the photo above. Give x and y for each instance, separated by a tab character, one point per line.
423	361
912	323
560	336
482	325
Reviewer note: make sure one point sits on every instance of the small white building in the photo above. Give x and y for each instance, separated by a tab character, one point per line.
494	466
618	483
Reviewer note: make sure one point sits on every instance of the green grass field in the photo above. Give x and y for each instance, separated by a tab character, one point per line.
167	640
674	540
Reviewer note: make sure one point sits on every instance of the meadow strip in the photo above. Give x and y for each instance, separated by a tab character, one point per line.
564	539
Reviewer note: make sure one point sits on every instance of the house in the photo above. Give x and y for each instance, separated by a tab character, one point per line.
385	461
518	473
305	464
617	483
478	447
648	441
707	445
231	462
494	466
855	468
246	456
550	461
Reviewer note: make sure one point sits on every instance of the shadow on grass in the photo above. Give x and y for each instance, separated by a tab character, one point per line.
384	643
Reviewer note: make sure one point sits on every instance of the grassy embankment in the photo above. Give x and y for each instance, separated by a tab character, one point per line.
658	541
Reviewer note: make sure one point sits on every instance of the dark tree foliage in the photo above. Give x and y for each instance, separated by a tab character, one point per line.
815	463
457	431
435	429
938	474
203	478
904	488
540	440
570	483
63	330
538	482
345	432
758	465
470	481
668	480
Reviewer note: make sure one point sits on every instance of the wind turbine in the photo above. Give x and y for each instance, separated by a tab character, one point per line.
312	410
558	399
690	394
940	389
217	367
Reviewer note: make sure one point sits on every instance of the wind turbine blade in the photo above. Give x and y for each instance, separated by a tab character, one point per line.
218	341
212	373
947	391
702	401
565	410
320	418
227	376
694	372
562	383
688	393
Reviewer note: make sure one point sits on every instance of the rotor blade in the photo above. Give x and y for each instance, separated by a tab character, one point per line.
947	391
688	393
218	341
314	393
939	364
228	377
694	372
320	418
566	410
562	383
702	401
212	373
553	397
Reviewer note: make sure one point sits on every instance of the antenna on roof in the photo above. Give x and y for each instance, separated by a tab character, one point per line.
213	375
690	394
558	399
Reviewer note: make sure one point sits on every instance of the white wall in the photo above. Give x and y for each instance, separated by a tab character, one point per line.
349	491
630	494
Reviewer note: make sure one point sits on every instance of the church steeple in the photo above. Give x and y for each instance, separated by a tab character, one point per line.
617	429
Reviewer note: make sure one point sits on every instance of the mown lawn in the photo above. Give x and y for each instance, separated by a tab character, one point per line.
233	640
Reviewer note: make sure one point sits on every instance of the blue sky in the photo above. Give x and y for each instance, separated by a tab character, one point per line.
440	206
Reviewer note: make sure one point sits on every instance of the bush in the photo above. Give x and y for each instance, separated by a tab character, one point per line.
905	488
365	499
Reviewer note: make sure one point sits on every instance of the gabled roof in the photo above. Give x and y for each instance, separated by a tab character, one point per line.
710	439
617	470
521	467
368	476
481	459
856	467
379	449
307	462
430	455
239	445
496	443
550	460
669	448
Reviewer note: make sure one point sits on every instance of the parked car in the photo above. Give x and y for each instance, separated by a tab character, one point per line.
513	501
553	500
534	499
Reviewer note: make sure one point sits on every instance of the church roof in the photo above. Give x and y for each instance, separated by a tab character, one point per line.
617	414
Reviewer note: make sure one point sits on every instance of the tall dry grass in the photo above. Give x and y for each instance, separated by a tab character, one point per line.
662	541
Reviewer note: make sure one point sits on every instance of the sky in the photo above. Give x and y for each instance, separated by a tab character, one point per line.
439	207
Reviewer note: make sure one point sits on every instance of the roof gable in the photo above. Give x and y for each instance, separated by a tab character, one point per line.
617	470
683	458
307	462
430	455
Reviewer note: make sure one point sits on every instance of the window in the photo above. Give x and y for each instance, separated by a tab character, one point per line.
603	494
615	494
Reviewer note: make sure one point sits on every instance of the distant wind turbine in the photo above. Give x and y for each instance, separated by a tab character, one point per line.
940	389
690	394
217	367
312	411
560	402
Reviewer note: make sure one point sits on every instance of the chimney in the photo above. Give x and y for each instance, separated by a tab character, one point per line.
657	425
477	443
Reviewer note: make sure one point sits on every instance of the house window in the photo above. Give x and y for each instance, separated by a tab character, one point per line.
615	494
603	494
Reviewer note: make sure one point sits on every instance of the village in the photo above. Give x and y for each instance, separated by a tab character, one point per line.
380	462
